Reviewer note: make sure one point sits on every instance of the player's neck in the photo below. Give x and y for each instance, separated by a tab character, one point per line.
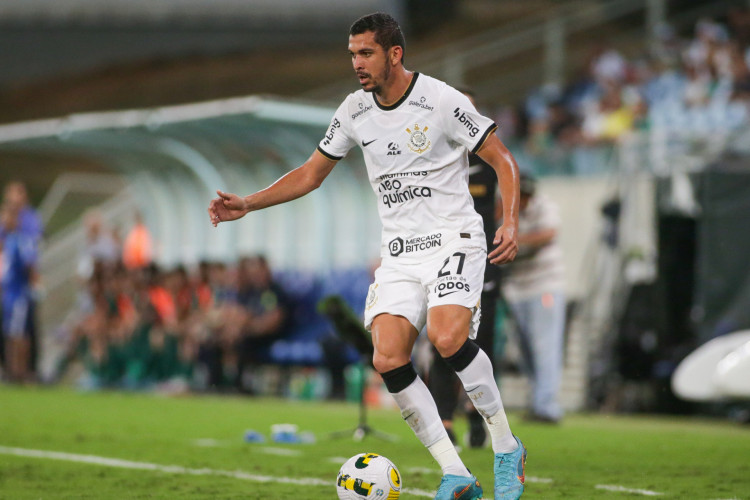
396	88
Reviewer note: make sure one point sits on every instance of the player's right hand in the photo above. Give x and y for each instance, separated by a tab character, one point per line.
226	207
507	245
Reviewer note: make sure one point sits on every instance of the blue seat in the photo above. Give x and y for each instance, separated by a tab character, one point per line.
308	328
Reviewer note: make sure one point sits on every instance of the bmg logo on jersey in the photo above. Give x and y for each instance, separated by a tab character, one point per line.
466	122
329	136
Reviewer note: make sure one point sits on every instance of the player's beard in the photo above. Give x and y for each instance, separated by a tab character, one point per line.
377	85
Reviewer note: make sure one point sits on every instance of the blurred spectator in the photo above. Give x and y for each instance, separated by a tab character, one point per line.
608	66
666	46
100	246
30	224
740	74
738	19
18	260
267	314
610	118
698	86
137	250
707	52
534	288
221	310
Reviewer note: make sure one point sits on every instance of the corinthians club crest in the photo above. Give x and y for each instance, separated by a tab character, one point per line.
418	141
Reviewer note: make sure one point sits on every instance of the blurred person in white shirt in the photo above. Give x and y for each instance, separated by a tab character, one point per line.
534	289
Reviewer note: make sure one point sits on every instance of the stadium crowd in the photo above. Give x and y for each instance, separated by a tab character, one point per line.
138	326
699	84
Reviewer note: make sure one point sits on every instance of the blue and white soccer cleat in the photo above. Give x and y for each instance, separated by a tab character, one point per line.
459	488
510	473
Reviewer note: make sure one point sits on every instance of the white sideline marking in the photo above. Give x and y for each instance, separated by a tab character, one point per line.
284	452
177	469
423	470
437	472
623	489
543	480
207	442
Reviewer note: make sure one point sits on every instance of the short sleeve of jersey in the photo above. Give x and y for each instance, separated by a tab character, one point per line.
337	141
462	121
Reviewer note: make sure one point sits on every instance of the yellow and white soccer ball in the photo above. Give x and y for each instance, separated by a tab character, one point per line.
368	476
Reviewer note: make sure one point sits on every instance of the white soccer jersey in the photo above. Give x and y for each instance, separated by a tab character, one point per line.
415	152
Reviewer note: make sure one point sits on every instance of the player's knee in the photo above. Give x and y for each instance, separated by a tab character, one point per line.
449	339
447	332
447	345
383	362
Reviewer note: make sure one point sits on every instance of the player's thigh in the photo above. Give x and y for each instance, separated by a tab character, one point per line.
393	339
456	277
454	283
396	291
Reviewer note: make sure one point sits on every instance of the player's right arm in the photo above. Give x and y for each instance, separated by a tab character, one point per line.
295	184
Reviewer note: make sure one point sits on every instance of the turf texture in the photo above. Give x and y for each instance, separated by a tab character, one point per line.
57	443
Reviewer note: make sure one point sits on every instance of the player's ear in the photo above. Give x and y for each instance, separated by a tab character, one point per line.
395	54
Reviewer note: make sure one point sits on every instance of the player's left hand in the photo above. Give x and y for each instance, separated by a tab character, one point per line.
506	240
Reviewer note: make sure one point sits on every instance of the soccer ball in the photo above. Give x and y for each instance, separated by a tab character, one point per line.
368	476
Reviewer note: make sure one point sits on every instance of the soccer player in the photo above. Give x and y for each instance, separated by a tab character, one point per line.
414	132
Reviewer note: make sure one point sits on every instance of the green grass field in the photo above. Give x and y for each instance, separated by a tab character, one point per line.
58	443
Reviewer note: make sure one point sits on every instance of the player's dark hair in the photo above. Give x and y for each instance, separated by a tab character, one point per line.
387	31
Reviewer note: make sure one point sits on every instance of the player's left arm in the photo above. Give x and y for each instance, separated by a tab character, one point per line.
494	152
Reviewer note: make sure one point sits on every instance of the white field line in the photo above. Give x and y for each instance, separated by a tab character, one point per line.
284	452
177	469
437	472
542	480
208	442
423	470
623	489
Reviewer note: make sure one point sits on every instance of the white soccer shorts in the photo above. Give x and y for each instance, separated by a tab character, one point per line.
454	276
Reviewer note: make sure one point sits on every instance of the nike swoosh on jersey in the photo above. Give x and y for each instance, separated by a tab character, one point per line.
441	294
365	144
